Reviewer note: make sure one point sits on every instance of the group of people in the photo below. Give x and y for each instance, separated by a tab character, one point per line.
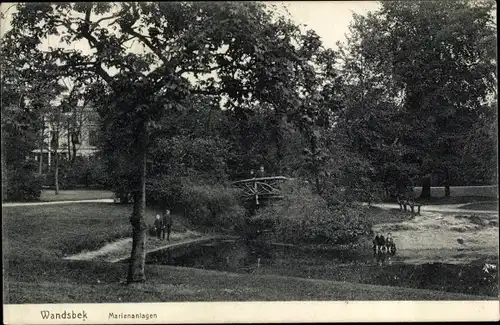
163	225
260	172
383	247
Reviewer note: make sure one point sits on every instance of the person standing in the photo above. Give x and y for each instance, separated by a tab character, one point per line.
158	226
167	224
391	246
379	247
261	173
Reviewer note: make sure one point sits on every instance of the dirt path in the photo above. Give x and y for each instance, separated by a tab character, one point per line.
120	249
444	234
22	204
451	208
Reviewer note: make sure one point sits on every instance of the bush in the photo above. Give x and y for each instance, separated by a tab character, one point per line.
205	205
234	218
211	205
85	171
23	184
304	217
165	191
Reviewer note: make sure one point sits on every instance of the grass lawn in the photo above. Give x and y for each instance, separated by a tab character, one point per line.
488	206
378	215
59	230
55	281
73	195
36	237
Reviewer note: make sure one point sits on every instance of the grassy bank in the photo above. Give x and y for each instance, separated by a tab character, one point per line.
42	281
73	195
59	230
378	215
36	237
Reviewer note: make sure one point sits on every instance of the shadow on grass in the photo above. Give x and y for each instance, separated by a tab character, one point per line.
56	281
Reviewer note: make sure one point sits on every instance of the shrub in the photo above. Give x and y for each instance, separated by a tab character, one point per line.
210	205
88	171
304	217
84	171
233	218
201	204
23	184
164	191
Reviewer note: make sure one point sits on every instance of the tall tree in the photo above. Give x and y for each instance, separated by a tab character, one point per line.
372	116
439	57
182	44
19	132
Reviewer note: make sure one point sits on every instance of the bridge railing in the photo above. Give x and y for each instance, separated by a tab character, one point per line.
261	187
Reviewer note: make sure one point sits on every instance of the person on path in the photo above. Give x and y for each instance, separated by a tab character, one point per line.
391	246
379	247
158	226
167	224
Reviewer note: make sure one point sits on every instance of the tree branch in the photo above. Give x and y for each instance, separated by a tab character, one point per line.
198	70
95	24
104	75
128	29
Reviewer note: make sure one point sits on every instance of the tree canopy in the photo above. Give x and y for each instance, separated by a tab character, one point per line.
209	91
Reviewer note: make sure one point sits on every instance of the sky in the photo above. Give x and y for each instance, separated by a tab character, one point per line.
330	19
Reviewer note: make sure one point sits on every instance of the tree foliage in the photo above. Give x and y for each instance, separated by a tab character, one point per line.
242	54
422	70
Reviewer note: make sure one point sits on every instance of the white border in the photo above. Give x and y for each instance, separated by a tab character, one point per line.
260	312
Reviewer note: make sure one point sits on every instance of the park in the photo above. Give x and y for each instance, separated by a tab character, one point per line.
278	157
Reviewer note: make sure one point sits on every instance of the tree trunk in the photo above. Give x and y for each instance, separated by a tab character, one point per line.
139	228
278	134
40	162
56	161
56	172
447	183
73	157
69	143
315	162
4	172
426	187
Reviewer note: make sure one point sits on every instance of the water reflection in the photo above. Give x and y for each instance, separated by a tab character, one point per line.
355	266
246	256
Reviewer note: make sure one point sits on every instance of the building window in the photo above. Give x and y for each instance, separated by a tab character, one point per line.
93	138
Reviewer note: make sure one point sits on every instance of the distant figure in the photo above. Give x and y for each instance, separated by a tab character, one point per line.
167	224
158	226
252	173
391	246
379	247
261	172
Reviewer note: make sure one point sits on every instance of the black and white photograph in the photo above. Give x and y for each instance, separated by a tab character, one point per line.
211	156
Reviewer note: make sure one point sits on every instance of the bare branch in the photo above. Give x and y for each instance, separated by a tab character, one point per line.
128	29
104	75
106	18
198	70
87	15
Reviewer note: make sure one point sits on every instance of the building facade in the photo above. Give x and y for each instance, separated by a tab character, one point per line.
74	134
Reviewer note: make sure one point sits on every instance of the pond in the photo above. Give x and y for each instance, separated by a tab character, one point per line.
253	257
